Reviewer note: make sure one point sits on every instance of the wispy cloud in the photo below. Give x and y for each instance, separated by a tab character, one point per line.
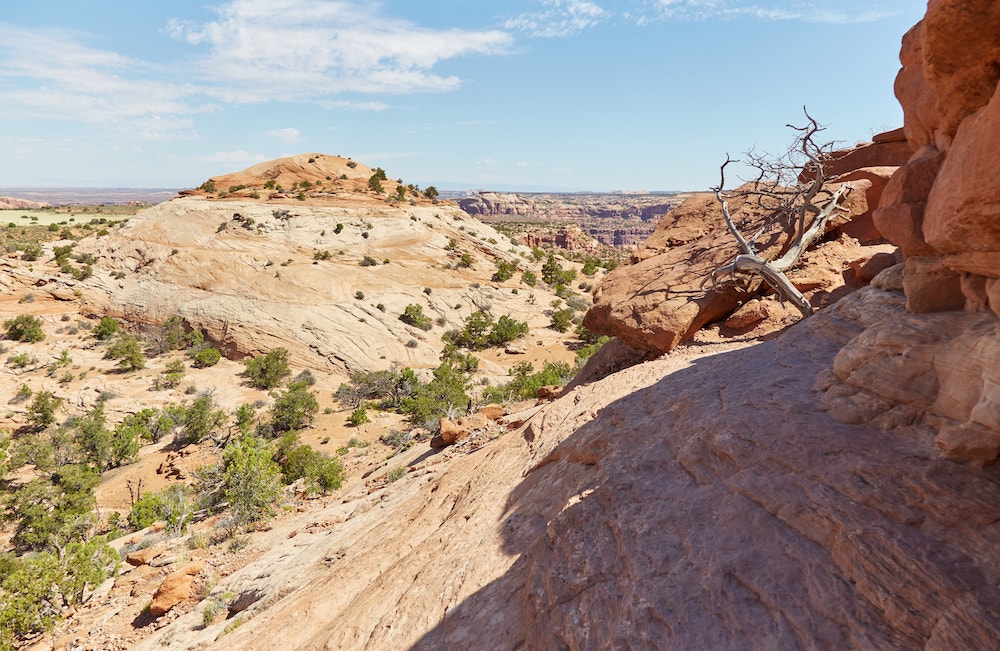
809	11
287	134
48	74
558	18
238	157
274	50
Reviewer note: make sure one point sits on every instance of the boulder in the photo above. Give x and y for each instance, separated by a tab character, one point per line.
920	113
175	588
664	296
963	208
961	53
454	431
143	556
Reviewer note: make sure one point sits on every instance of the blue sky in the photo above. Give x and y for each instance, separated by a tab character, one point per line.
514	94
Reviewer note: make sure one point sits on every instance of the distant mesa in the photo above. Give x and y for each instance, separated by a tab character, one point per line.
13	203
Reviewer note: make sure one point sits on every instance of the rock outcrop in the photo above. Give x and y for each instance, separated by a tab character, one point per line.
664	296
8	203
326	281
682	503
943	210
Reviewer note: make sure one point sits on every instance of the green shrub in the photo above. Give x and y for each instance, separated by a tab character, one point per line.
444	394
562	319
267	371
128	351
359	416
24	327
320	471
250	480
201	420
31	252
293	410
480	331
173	505
414	315
525	383
42	411
505	271
207	357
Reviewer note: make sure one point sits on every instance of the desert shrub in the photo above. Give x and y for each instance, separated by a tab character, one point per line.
480	331
201	420
529	278
320	472
267	371
173	505
24	327
443	395
396	474
54	510
31	252
562	319
414	315
368	261
207	357
42	411
387	387
431	192
172	375
589	266
33	589
294	409
525	382
577	303
466	260
359	416
250	480
128	351
554	274
505	271
21	360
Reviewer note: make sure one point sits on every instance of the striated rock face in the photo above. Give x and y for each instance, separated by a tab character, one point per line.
683	503
943	204
247	274
612	219
940	370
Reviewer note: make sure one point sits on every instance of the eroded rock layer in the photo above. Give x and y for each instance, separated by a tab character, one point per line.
710	503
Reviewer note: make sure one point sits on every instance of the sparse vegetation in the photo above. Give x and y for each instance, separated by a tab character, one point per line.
267	371
414	315
25	327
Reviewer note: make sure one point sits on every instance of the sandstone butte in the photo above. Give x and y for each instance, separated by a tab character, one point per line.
326	278
834	487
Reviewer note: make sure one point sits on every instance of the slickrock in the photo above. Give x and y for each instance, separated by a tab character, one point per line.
326	282
689	503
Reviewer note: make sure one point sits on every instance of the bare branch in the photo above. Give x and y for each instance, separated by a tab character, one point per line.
804	208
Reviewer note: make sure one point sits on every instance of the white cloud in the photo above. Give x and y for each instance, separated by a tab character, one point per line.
559	18
287	134
273	50
810	11
46	74
238	157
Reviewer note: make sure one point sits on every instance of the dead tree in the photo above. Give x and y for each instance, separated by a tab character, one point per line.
804	208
